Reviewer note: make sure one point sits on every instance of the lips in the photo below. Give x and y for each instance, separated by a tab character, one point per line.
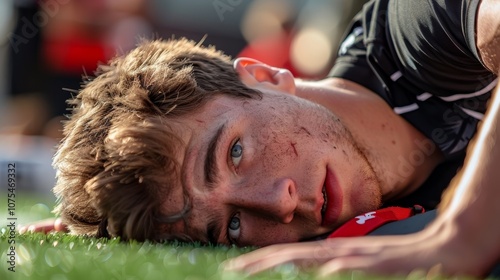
332	195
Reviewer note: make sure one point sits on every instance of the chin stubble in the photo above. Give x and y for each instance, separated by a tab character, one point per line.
370	176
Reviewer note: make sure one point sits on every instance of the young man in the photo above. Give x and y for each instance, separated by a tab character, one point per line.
170	141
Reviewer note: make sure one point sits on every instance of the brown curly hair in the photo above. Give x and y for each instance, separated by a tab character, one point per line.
116	163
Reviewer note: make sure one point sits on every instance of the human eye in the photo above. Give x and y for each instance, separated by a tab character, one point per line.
236	153
233	228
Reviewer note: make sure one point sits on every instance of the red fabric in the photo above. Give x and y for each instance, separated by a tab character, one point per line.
274	51
75	54
364	224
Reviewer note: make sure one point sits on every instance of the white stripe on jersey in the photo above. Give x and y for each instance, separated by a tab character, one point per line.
469	95
396	76
405	109
473	114
424	96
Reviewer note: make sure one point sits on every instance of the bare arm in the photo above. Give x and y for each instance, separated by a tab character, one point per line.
474	205
479	179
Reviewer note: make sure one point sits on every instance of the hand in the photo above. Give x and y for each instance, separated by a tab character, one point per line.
435	250
52	224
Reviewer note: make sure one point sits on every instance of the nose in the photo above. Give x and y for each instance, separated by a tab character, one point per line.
277	201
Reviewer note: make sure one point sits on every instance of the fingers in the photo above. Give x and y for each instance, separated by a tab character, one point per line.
367	264
334	256
381	266
304	254
428	253
301	254
59	226
339	265
44	226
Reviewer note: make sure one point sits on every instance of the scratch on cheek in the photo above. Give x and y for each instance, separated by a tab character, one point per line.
293	147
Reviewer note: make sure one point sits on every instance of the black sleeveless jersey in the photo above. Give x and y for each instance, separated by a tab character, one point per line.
421	58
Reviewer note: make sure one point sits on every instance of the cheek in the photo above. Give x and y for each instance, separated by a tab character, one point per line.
279	132
263	233
365	194
274	148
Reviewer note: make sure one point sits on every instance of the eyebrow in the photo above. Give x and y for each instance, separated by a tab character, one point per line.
211	170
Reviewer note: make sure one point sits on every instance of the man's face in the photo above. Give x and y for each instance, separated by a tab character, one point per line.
260	172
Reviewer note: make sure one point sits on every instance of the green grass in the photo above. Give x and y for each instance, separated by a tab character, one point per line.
61	256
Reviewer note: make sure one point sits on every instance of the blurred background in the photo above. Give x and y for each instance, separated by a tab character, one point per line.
47	46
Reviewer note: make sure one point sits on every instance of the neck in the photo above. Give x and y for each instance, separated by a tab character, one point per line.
399	154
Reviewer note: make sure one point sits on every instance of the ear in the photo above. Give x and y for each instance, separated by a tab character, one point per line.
258	75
